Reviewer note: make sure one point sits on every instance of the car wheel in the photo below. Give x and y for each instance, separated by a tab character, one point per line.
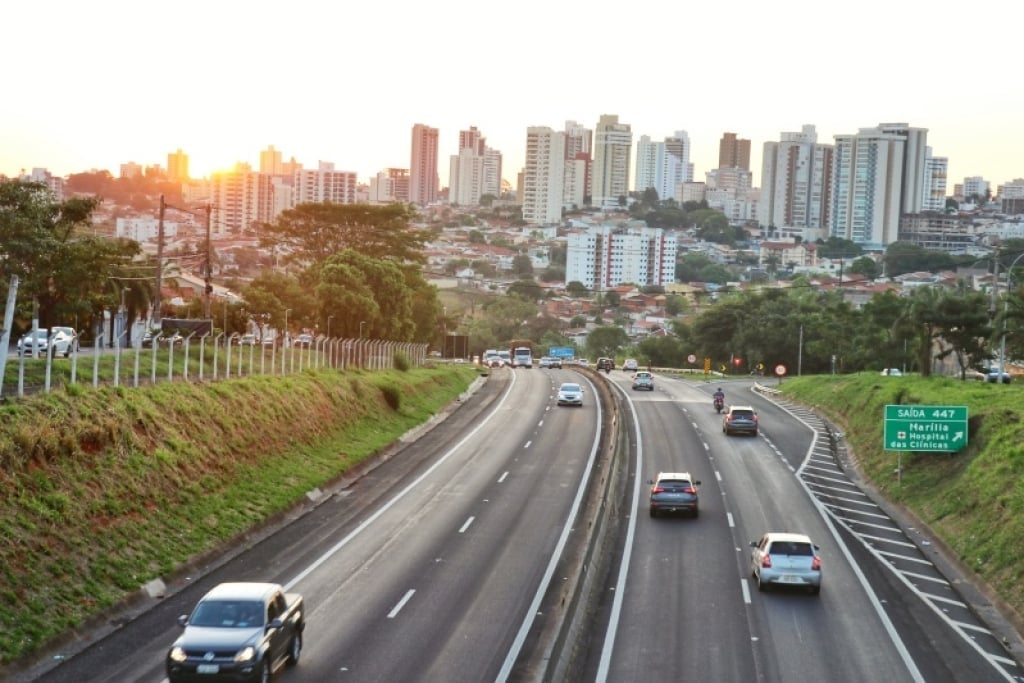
264	671
761	585
295	649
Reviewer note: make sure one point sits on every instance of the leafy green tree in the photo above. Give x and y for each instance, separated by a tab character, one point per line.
606	341
865	266
522	266
964	320
576	289
312	233
676	304
907	257
391	316
838	247
528	290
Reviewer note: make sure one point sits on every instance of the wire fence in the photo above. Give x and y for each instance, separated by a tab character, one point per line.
188	359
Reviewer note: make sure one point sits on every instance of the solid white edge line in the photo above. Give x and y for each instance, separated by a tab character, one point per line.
387	506
466	525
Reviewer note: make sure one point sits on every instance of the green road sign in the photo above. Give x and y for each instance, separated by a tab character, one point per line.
925	428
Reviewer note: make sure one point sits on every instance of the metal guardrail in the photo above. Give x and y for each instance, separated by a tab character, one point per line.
217	357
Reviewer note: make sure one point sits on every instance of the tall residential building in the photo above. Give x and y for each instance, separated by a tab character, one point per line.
915	151
613	143
543	176
131	169
177	166
795	182
663	166
976	187
609	255
270	161
390	185
241	199
866	187
578	157
474	171
733	152
322	185
423	179
935	176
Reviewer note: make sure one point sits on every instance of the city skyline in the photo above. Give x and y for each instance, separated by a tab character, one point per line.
135	86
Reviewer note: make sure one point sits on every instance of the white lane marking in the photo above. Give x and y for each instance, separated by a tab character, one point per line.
728	516
744	586
527	444
465	526
313	566
908	558
503	477
925	577
718	475
401	603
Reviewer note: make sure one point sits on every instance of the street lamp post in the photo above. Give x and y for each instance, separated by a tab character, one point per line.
286	312
329	318
361	323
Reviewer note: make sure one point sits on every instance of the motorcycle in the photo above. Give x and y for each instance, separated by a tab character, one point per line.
719	404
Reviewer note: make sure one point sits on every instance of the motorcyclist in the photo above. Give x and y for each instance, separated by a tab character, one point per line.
718	397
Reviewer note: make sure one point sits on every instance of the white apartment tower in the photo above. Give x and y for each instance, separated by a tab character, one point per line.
662	166
240	199
935	174
915	151
423	179
323	185
543	176
613	143
866	187
474	171
795	175
578	146
177	166
609	255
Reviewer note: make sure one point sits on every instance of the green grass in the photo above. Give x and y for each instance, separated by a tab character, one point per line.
105	490
972	499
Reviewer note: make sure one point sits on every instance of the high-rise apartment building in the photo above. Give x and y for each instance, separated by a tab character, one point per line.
915	151
390	185
733	152
324	184
177	166
240	199
663	166
613	144
423	179
578	145
936	170
543	176
795	182
609	255
866	187
474	171
270	161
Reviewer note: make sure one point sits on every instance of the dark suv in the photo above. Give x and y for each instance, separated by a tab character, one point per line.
740	420
674	492
606	364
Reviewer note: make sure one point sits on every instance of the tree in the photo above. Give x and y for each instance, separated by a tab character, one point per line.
522	266
312	233
606	341
355	288
865	266
528	290
576	289
965	328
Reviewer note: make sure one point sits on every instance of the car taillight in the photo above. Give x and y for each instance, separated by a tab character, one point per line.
816	564
658	489
766	561
690	490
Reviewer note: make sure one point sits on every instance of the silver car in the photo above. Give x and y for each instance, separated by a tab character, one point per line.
570	394
786	559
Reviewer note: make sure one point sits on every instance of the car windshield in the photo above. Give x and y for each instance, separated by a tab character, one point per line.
228	614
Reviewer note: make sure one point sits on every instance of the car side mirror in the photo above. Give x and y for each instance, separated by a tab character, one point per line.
696	482
651	482
753	544
183	620
276	623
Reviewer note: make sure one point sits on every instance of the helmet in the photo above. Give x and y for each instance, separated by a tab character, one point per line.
719	388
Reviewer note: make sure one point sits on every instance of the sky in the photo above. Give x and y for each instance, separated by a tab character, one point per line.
94	85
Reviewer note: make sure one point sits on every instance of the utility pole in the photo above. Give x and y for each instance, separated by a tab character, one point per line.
159	264
209	287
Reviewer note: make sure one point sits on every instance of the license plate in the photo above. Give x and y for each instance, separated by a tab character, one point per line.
789	578
207	668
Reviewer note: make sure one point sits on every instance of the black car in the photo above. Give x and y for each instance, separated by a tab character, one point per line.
606	364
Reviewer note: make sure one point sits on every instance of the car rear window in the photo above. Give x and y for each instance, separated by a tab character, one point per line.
791	548
744	414
673	484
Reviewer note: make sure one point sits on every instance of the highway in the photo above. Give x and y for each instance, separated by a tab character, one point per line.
431	567
685	605
439	563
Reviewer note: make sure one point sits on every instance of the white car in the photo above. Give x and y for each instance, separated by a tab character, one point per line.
629	365
786	559
570	394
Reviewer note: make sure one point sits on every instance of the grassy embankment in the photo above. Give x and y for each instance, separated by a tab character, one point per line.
105	490
973	499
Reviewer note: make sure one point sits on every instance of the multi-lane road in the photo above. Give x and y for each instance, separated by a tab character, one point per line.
436	564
